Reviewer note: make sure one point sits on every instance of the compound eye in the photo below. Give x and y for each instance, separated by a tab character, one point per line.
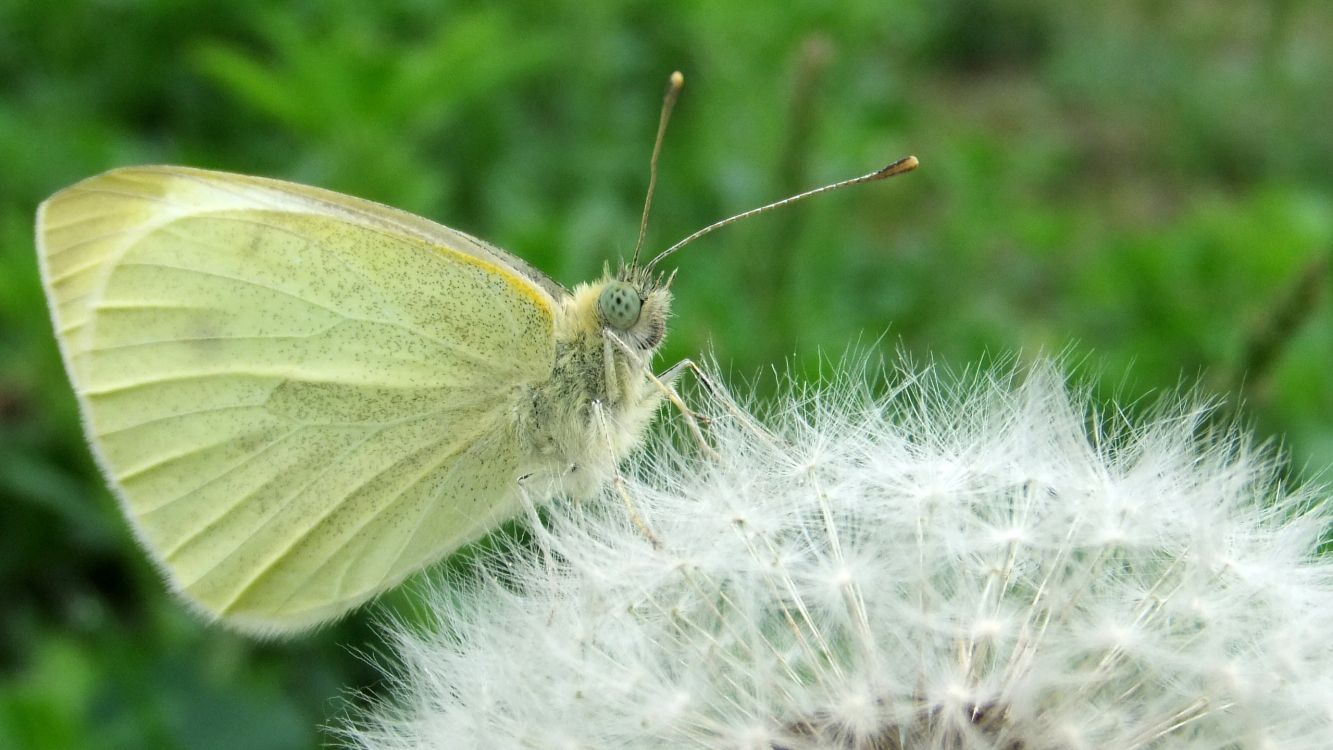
619	305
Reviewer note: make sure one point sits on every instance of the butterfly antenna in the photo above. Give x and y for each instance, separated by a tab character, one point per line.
674	86
905	164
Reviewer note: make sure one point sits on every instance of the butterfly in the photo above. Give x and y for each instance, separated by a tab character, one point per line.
300	397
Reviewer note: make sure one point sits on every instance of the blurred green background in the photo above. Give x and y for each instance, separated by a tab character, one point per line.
1145	187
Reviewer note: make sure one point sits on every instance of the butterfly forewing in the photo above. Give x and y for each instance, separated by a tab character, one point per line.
301	397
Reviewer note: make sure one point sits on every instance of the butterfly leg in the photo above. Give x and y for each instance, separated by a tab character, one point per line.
618	484
692	418
546	542
609	365
719	395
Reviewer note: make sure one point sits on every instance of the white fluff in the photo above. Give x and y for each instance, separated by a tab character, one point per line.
983	564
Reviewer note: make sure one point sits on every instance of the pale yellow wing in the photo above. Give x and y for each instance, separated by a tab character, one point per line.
300	397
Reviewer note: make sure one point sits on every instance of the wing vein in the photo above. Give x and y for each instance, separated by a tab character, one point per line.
70	273
158	463
407	542
281	505
50	226
454	405
124	194
195	339
447	346
248	194
290	544
192	413
237	279
453	450
258	452
188	376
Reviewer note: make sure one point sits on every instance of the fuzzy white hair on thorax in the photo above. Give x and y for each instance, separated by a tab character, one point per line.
958	564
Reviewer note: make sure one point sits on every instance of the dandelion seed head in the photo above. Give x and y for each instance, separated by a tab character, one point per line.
960	564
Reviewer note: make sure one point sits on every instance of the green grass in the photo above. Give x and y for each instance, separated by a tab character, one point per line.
1144	188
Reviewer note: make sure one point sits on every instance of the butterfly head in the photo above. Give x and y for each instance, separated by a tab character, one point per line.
634	305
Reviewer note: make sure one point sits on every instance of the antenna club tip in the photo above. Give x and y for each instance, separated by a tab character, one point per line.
905	164
677	79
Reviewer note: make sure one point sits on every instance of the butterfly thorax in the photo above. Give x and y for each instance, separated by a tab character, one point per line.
600	399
